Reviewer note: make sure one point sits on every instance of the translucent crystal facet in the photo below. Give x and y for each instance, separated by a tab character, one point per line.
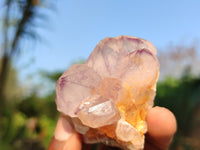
107	98
97	111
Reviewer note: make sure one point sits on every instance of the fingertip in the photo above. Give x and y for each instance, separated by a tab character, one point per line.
161	122
161	125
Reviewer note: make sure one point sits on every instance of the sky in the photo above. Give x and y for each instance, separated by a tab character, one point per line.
75	27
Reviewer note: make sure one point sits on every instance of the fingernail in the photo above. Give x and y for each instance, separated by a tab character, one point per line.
63	129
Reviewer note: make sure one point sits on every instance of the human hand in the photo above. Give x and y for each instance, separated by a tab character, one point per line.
161	129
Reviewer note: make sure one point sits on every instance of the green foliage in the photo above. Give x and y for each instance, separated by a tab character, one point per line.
182	97
51	76
32	121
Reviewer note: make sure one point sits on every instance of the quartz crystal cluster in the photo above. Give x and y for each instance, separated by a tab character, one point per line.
107	98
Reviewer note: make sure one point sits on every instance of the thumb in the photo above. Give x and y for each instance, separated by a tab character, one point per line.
161	128
65	137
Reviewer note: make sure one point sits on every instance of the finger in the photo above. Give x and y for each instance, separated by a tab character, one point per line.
161	128
65	137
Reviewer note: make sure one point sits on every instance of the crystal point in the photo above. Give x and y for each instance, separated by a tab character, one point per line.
107	98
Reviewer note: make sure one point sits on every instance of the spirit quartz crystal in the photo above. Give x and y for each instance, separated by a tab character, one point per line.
107	98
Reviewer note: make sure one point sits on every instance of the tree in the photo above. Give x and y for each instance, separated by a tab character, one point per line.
18	22
179	60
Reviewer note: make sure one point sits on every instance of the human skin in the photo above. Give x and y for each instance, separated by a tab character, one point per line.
161	129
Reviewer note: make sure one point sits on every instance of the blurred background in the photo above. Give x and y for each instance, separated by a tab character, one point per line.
40	39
